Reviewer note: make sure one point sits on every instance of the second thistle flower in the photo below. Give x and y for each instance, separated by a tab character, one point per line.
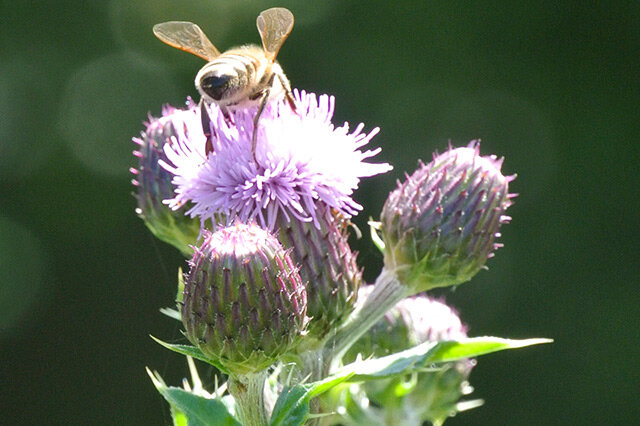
153	182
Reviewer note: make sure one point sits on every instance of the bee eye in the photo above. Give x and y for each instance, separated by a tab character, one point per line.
215	85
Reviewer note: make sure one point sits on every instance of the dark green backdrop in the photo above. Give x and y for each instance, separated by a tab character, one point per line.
552	86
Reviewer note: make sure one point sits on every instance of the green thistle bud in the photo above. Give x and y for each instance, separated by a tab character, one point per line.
431	395
244	303
327	265
153	182
439	226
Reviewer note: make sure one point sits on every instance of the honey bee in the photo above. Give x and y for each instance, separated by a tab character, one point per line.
240	77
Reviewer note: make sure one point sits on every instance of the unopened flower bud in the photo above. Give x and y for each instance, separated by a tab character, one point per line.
428	395
153	182
244	303
412	321
440	225
327	265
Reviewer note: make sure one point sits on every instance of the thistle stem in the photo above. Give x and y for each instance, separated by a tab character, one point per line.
248	392
387	291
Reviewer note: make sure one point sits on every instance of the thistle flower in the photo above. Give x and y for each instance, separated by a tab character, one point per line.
153	183
431	395
440	225
301	161
244	303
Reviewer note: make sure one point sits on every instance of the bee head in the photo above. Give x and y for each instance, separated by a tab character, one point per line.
218	82
214	86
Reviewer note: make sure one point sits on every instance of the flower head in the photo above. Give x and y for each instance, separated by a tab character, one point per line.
440	225
300	159
153	183
244	303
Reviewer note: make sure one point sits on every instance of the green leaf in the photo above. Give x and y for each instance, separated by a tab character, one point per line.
427	353
476	346
180	292
191	351
171	313
374	228
175	313
179	418
292	406
195	409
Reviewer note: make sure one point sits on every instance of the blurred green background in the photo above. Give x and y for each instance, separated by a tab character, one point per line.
552	86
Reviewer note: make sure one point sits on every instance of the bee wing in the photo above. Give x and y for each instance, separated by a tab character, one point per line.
186	36
274	26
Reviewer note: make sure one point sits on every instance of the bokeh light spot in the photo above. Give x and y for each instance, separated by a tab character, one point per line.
104	105
27	129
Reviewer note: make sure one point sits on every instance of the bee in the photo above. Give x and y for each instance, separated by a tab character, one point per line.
241	77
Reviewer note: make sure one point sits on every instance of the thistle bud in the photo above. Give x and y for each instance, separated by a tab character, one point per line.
440	225
327	265
244	303
431	395
153	182
412	321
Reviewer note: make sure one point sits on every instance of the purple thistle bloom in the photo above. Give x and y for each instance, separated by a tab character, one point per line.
153	183
301	158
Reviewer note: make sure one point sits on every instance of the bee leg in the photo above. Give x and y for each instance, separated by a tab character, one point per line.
263	102
287	93
254	134
226	114
292	102
206	127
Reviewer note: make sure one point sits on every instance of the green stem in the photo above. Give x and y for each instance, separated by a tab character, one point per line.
387	291
248	392
314	370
